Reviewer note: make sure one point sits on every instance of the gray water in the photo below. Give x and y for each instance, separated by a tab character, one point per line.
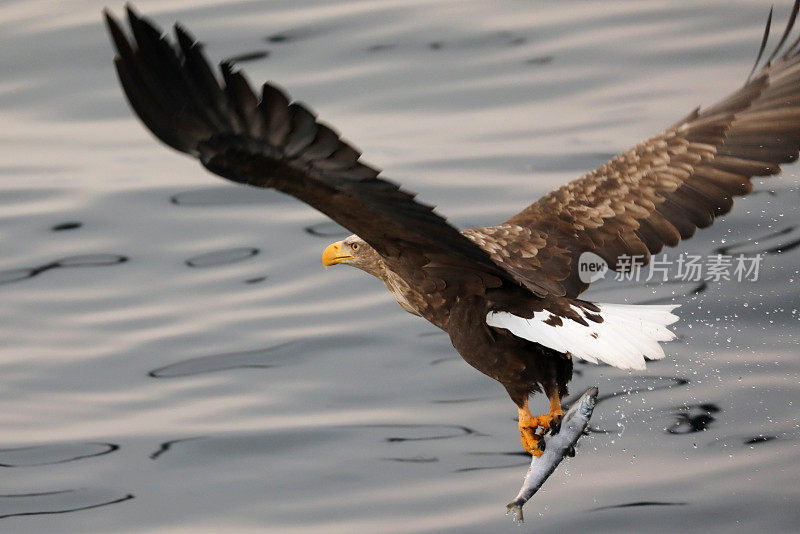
173	357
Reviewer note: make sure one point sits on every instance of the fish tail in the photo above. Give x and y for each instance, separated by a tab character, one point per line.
515	508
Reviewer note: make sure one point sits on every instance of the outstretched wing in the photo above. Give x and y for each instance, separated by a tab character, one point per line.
270	142
663	189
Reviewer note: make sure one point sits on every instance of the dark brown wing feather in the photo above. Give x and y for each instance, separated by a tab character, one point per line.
663	189
267	141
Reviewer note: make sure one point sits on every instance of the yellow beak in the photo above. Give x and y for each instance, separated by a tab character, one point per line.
333	255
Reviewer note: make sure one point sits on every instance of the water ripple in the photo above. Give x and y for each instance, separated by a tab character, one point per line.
222	257
55	502
87	260
53	454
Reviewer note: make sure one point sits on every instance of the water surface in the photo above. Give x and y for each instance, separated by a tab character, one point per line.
174	358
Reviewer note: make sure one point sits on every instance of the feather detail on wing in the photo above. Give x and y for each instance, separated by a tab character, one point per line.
266	141
663	189
617	334
526	253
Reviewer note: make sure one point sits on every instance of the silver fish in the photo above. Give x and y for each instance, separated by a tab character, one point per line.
558	446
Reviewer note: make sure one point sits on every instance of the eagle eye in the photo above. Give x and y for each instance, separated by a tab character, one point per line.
354	246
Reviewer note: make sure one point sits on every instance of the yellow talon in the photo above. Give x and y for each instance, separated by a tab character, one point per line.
532	441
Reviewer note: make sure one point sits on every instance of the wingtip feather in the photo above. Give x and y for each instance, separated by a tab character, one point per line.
763	46
118	37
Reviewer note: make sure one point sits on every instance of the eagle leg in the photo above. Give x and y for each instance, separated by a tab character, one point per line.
532	441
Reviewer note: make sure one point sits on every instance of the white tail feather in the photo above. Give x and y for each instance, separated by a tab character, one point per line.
627	335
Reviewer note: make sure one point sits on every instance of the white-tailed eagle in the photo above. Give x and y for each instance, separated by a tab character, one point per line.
508	295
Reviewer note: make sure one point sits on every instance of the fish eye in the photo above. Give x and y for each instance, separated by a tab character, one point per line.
354	246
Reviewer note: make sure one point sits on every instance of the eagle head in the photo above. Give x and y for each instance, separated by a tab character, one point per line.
353	251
